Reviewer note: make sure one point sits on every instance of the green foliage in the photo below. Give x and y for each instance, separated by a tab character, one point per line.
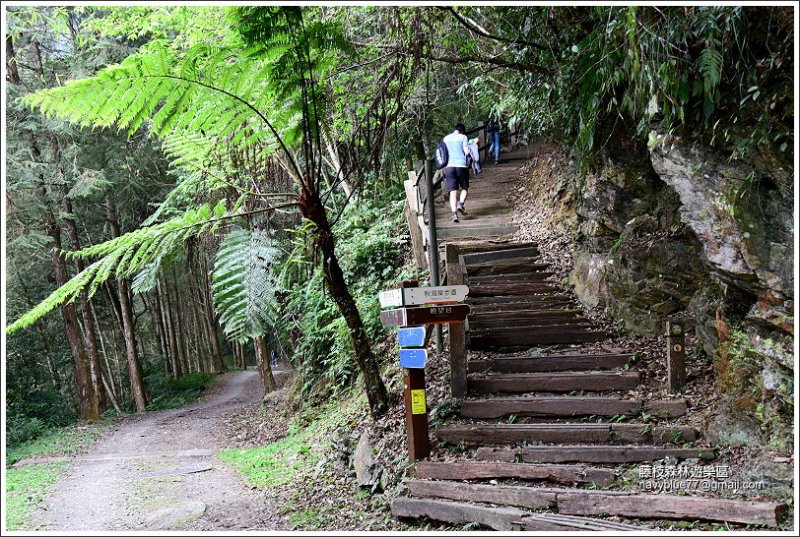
166	393
58	441
29	417
126	255
25	488
243	283
275	464
371	246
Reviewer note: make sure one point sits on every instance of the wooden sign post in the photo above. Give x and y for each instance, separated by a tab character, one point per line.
676	356
413	305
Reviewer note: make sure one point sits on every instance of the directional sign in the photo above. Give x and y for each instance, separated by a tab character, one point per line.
415	296
432	315
411	337
413	358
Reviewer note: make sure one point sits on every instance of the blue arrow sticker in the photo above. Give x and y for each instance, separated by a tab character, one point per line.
413	358
411	337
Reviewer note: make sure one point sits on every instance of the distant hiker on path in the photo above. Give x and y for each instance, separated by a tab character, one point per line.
493	130
476	156
456	173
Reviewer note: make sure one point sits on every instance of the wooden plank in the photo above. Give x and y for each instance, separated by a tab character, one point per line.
565	522
476	231
561	473
482	316
525	497
539	302
549	406
591	454
508	322
672	507
490	246
537	337
510	266
555	362
472	258
456	331
517	277
511	289
558	433
590	433
417	242
595	381
497	518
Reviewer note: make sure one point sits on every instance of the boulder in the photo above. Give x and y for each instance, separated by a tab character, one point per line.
364	462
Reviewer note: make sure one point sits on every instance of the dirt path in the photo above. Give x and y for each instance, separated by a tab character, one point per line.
159	471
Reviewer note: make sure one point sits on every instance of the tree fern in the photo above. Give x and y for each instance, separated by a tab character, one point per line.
243	283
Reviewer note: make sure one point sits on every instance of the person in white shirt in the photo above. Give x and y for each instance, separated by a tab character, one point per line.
456	173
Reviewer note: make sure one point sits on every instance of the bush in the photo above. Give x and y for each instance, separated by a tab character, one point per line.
168	393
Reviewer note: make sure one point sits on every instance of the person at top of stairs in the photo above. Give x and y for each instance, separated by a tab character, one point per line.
456	173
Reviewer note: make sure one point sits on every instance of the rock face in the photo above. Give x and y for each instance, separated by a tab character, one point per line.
681	229
738	212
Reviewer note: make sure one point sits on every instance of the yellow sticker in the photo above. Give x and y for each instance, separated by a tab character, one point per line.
418	402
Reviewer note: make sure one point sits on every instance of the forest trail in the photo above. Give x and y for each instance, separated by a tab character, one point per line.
488	205
554	417
159	471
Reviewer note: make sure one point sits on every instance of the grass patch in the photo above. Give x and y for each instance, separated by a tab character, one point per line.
174	393
25	488
274	464
68	440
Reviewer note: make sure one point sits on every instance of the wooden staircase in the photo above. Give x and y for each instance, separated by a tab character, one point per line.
530	421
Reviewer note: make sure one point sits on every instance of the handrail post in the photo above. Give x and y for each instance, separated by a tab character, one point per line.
433	247
456	331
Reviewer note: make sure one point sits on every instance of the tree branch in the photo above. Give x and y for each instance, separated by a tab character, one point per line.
483	33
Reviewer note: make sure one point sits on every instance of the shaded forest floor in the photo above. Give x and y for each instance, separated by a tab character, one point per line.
160	471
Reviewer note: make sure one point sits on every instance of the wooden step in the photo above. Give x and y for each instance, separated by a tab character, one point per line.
561	473
564	406
517	277
591	454
526	318
595	381
512	252
511	289
476	231
616	503
500	518
565	433
507	266
553	362
546	335
544	302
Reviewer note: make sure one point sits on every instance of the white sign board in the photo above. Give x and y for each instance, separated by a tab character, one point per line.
414	296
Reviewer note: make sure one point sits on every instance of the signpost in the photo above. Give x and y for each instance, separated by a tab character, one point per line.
414	306
431	315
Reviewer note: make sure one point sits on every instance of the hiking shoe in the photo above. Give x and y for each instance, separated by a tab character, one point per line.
455	216
461	209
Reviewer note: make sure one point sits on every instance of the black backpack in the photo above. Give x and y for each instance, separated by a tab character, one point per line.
441	155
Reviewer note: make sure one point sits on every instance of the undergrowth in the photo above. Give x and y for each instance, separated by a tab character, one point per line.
25	488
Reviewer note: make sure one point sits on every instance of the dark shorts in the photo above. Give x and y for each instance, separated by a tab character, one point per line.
455	178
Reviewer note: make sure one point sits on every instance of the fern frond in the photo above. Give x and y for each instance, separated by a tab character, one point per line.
125	256
243	283
710	64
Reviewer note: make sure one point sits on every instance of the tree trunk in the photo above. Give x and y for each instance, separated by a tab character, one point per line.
170	334
182	352
211	322
131	352
313	210
90	334
87	408
264	365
